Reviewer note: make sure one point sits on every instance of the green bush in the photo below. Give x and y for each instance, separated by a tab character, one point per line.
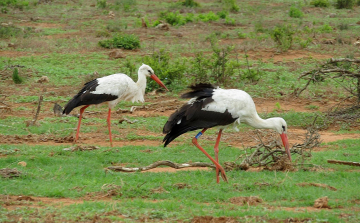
173	18
169	73
16	78
283	36
9	31
222	14
101	4
344	4
295	12
326	28
231	5
320	3
210	16
124	41
190	3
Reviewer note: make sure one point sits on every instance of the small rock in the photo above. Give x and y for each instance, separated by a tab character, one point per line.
163	26
332	15
11	45
111	14
22	163
43	79
321	202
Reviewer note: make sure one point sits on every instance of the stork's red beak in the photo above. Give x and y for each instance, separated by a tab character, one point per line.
155	78
286	144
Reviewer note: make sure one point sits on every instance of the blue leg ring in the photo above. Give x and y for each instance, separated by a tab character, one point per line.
198	135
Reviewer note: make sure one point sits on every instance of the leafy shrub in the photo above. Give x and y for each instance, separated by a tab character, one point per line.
231	5
344	4
320	3
173	18
295	12
230	21
222	14
169	73
210	16
214	68
124	41
283	36
326	28
9	31
101	4
16	78
4	10
190	3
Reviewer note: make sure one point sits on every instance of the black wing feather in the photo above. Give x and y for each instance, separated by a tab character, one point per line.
191	116
85	97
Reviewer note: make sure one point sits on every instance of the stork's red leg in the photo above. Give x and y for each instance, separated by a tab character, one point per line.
108	122
216	150
79	123
223	175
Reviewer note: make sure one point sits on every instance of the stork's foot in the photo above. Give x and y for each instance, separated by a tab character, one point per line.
223	175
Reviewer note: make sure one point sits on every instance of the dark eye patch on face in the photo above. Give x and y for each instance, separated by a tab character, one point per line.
283	128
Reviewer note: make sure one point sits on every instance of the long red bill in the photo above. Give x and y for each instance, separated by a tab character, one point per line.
155	78
286	144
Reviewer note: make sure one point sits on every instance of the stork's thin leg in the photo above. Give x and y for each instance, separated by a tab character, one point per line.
79	123
223	175
108	122
216	150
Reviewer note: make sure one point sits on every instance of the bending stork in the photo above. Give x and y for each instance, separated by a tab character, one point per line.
112	89
210	107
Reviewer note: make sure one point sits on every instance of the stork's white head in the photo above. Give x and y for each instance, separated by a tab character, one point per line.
279	125
147	71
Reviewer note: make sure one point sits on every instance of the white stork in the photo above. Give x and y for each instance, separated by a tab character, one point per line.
210	107
111	89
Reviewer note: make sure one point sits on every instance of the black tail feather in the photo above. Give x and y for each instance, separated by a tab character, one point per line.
199	91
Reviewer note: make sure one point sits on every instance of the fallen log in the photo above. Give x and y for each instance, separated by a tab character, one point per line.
159	163
344	162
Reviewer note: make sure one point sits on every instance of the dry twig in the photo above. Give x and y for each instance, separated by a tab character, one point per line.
159	163
344	162
37	113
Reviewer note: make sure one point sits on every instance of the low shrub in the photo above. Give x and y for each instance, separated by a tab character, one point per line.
295	12
124	41
16	78
320	3
344	4
283	36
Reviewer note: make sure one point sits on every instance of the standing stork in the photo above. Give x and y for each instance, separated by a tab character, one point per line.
210	107
111	89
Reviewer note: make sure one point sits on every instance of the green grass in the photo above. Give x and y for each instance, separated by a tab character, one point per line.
57	176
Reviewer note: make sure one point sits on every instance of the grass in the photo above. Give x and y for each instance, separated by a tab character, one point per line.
41	177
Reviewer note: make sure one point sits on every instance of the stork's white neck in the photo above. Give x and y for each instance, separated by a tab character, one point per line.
259	123
141	83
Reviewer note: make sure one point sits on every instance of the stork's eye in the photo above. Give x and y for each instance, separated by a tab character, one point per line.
149	71
283	128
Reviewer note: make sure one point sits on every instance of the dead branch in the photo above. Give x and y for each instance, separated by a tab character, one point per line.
344	162
37	112
316	185
159	163
334	69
